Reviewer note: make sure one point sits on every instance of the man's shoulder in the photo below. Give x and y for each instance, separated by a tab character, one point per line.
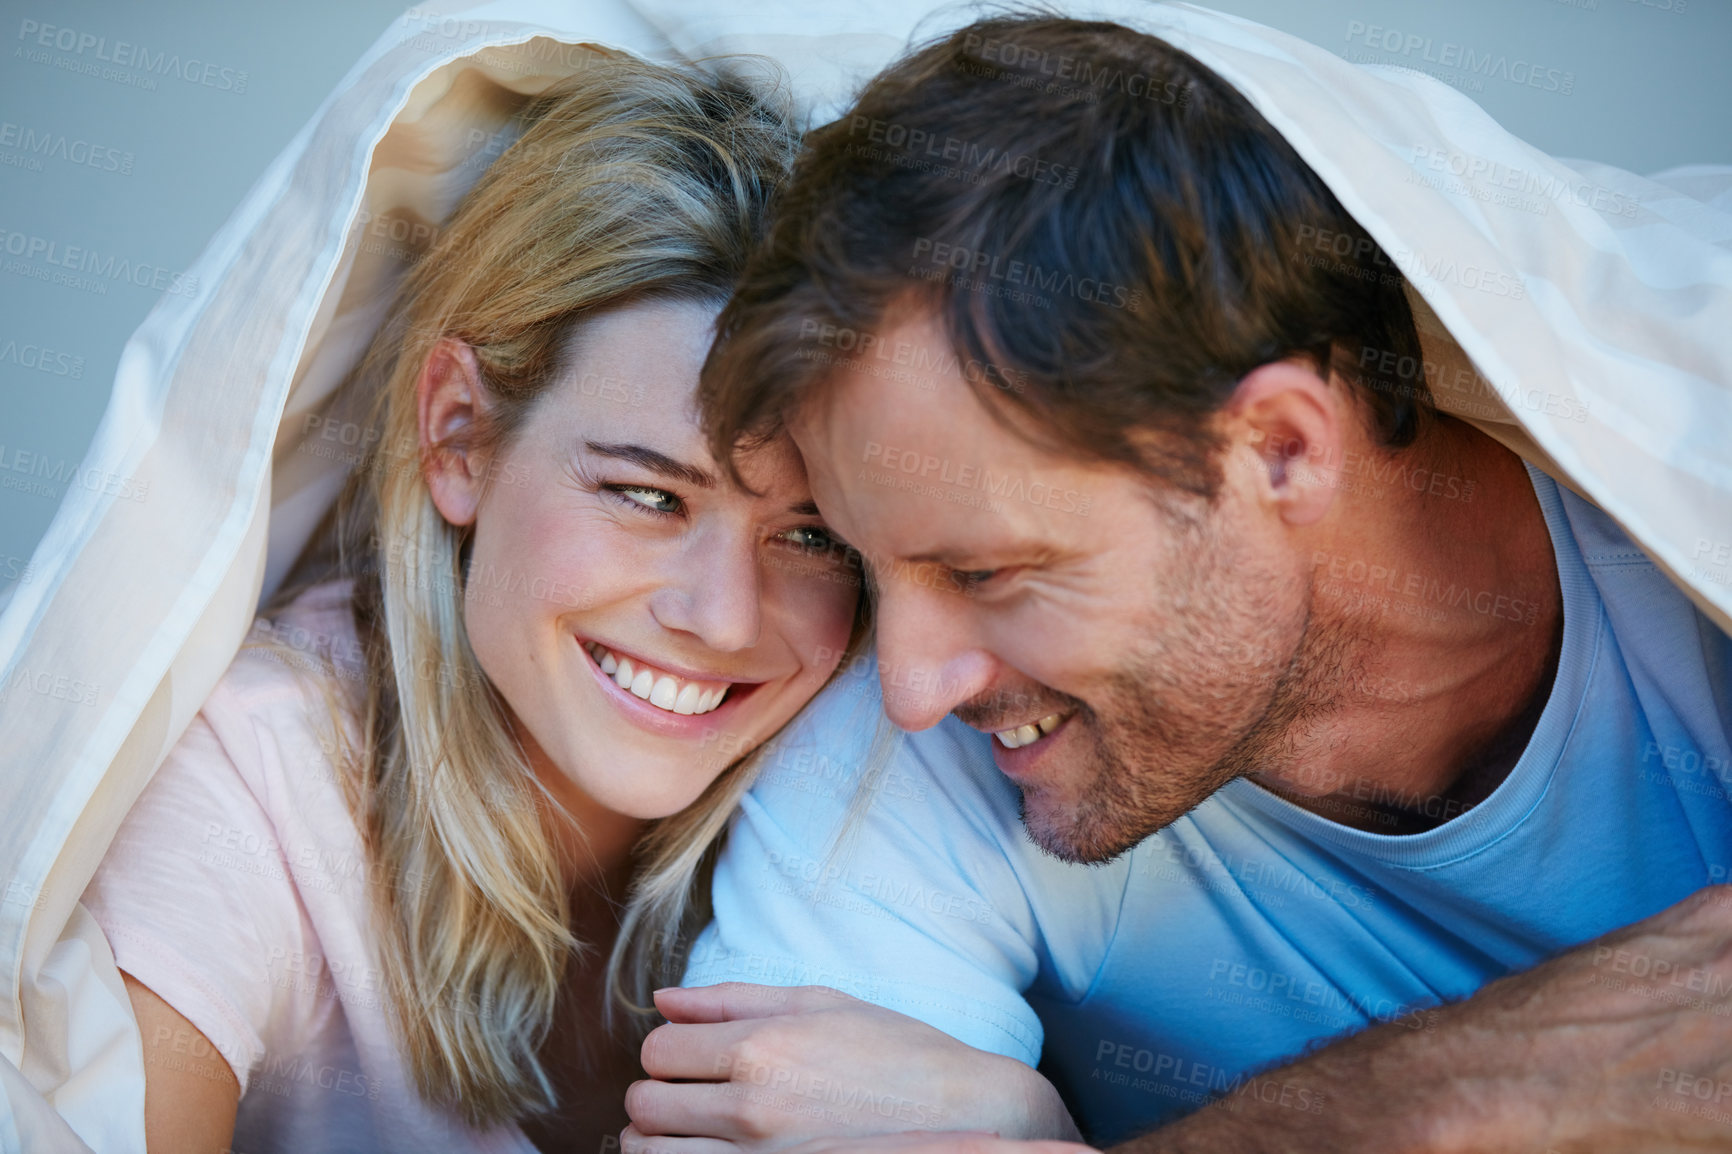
842	744
1644	604
928	804
1600	539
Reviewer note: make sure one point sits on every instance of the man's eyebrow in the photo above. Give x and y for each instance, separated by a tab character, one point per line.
949	558
655	462
1017	551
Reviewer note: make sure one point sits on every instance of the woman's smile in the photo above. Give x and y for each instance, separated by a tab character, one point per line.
653	683
664	697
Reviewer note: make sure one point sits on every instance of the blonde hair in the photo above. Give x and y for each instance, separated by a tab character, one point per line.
631	181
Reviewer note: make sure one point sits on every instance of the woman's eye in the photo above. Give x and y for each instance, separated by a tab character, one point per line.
655	500
812	538
975	578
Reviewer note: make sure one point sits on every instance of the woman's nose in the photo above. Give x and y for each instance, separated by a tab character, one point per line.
713	591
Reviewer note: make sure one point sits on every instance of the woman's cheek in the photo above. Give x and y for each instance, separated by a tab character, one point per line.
821	607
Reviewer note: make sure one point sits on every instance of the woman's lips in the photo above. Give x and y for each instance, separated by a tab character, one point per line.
655	685
725	696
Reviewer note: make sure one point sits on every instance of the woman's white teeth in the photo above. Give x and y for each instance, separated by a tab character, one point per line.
660	689
1028	734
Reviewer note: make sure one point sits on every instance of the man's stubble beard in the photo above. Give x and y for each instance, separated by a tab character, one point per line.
1223	689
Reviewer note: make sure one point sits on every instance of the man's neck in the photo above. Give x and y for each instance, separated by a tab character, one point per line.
1448	593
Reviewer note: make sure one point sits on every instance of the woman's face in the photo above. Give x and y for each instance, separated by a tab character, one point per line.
646	622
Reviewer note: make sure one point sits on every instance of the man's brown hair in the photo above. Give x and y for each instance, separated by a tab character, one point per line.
1110	234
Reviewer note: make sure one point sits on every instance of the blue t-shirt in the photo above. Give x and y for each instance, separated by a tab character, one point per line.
1250	927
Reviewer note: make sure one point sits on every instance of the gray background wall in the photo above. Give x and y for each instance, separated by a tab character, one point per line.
147	172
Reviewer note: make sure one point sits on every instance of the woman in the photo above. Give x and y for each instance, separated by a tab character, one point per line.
369	900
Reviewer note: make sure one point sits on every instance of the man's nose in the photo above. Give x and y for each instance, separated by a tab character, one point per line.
713	591
929	659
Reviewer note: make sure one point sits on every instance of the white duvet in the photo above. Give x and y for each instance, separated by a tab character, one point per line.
1580	313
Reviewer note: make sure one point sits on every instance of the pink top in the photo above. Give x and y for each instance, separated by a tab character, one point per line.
237	890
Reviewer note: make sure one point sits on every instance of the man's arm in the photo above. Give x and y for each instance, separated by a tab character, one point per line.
1624	1044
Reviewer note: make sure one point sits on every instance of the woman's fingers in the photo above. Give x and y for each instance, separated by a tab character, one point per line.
844	1067
732	1112
734	1001
693	1052
631	1141
936	1142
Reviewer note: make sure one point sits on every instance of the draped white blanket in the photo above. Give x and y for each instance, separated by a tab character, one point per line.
1596	304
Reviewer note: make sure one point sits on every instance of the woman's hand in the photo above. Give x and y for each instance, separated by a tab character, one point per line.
905	1142
765	1068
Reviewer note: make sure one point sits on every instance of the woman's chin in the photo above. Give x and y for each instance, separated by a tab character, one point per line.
649	804
644	783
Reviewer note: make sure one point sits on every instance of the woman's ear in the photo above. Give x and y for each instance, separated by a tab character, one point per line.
450	402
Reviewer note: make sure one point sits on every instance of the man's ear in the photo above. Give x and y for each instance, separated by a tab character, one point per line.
1296	423
450	401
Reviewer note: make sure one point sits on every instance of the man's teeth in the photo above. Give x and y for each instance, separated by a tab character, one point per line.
1028	734
663	690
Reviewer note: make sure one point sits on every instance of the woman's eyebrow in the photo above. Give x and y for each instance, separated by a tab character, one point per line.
655	462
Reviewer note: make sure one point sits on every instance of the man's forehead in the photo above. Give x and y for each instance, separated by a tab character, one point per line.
902	381
921	470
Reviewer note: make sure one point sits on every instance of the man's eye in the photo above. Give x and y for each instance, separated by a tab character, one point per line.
974	578
655	500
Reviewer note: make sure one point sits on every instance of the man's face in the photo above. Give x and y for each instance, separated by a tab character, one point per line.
1166	636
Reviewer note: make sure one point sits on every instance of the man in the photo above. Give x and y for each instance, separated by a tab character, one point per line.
1281	703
